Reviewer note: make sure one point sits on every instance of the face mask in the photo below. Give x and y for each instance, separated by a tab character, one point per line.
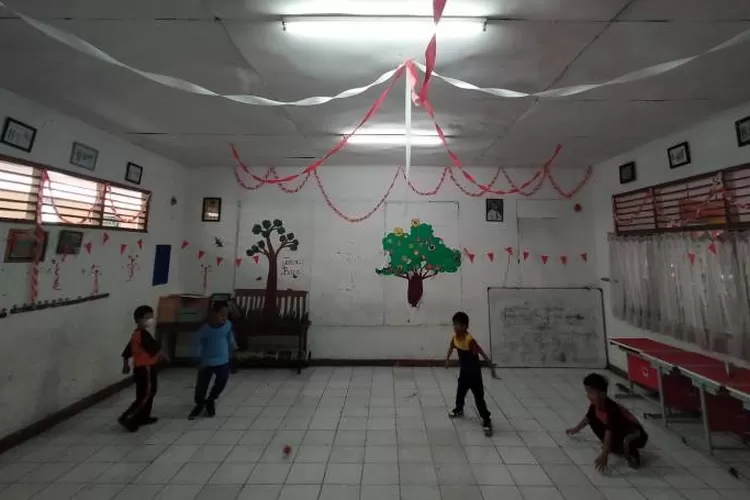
149	324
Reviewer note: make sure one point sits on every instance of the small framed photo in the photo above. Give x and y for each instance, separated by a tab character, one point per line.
22	245
743	131
211	210
494	210
627	173
69	242
679	155
83	156
133	173
18	135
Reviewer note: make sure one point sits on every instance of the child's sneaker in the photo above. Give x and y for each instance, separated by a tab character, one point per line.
487	426
196	412
210	408
456	413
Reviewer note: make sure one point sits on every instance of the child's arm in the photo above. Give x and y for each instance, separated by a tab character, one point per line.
127	353
478	349
448	356
197	348
578	428
603	458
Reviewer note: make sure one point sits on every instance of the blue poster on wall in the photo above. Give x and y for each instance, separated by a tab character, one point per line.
161	264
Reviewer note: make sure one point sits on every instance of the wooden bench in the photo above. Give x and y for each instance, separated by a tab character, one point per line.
275	341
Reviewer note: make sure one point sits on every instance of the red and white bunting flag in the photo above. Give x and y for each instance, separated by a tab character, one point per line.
201	253
545	258
564	260
105	237
140	244
526	254
491	256
123	247
256	258
585	257
509	250
184	245
691	256
238	261
469	255
87	246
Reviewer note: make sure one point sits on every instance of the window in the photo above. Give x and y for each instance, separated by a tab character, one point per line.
67	199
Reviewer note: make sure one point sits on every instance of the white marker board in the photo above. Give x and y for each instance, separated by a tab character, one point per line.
547	327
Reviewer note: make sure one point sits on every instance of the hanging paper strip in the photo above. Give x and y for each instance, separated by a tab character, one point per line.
56	280
491	256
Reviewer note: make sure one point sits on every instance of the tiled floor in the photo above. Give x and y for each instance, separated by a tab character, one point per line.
356	434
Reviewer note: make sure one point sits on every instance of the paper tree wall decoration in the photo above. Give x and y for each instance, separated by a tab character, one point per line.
416	256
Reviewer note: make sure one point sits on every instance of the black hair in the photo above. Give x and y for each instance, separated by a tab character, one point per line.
596	382
461	318
219	305
141	312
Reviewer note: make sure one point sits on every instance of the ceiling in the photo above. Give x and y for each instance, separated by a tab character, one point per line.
238	47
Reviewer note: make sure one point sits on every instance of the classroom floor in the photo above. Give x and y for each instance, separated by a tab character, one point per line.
355	433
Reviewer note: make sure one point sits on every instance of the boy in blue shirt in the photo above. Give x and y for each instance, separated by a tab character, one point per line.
213	346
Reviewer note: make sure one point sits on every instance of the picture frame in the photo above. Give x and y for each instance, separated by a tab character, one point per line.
69	242
627	173
18	135
679	155
133	173
494	210
211	210
21	246
742	128
83	156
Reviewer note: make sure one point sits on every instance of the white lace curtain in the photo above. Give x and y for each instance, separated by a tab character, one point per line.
704	300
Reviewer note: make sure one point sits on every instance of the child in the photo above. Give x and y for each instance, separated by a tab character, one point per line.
617	428
470	376
213	346
146	353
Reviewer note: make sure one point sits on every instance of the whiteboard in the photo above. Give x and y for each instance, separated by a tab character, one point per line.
547	327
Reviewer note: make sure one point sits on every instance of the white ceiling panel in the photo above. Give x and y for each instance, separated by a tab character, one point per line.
688	10
111	9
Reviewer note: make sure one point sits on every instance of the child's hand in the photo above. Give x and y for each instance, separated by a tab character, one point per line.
601	462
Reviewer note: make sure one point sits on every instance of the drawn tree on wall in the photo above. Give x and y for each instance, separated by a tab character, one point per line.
265	246
416	256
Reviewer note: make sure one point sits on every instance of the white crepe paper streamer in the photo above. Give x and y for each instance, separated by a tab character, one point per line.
84	47
407	123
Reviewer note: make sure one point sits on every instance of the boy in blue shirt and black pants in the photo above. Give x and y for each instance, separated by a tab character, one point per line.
213	346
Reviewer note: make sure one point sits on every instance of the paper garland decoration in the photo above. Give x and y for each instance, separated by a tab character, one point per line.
87	246
201	253
545	258
256	258
184	245
585	257
140	244
525	255
491	256
469	255
238	261
564	260
105	237
219	260
123	247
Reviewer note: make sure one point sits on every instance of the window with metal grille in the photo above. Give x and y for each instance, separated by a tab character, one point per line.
68	199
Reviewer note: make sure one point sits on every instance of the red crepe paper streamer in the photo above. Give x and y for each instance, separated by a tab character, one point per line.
509	250
238	261
105	238
123	247
691	256
256	258
525	254
56	280
469	255
201	253
585	257
184	245
219	260
564	260
491	256
87	246
713	249
140	244
545	258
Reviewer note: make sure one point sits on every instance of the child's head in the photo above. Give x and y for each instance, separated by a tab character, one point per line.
460	323
219	312
143	316
596	387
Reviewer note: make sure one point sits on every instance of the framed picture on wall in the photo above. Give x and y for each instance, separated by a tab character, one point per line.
18	135
211	210
83	156
21	246
627	173
679	155
494	210
742	127
133	173
69	242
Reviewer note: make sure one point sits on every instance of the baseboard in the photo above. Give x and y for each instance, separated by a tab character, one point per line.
33	430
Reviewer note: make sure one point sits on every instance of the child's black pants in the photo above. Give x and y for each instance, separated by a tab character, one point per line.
472	382
145	390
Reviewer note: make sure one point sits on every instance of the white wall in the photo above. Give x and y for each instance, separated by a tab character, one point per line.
55	357
356	314
713	146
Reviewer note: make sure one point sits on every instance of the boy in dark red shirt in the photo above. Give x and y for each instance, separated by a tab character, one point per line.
617	428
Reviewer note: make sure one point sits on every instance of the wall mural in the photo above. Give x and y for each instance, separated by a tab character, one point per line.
416	256
266	247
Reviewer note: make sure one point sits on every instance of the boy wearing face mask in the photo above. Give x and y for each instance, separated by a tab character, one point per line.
146	354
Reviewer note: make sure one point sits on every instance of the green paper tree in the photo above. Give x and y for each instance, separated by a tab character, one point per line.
416	256
265	246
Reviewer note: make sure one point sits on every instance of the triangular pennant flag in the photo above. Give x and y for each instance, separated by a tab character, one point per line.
712	248
238	261
509	250
123	246
545	258
105	237
140	244
525	254
691	256
256	258
564	260
491	256
585	257
219	260
184	245
716	234
469	255
87	246
201	253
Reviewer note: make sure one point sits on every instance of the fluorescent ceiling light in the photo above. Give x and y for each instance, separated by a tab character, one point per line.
384	28
394	140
